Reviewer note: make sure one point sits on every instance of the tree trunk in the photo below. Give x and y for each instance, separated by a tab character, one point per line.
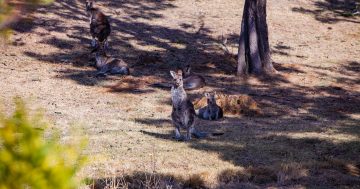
254	49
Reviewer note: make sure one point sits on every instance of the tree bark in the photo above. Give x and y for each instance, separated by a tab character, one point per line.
243	68
254	49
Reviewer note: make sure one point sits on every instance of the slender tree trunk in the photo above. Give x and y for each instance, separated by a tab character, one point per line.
254	49
243	68
253	39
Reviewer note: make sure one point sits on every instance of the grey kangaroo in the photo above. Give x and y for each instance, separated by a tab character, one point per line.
192	81
183	112
212	111
99	25
106	64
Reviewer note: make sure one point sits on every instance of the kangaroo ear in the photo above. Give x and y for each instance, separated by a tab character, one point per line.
180	72
173	74
187	68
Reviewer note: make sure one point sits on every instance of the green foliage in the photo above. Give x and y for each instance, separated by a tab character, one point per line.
28	160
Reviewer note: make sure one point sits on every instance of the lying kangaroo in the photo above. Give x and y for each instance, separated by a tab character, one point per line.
190	80
106	64
183	112
99	24
212	111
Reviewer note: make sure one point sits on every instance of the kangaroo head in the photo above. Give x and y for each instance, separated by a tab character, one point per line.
186	71
211	98
89	4
178	78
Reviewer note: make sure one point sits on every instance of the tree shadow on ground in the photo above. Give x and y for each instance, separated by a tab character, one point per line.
268	149
316	133
291	109
332	11
143	46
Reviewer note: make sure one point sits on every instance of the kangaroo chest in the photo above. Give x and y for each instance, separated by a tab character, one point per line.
178	97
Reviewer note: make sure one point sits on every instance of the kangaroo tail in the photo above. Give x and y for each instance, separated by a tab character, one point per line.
217	134
162	85
198	134
201	135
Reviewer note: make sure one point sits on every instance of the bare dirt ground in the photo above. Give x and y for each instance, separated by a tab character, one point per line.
307	137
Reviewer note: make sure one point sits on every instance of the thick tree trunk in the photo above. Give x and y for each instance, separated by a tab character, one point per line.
254	49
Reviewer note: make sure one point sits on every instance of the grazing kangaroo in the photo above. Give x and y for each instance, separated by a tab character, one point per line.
212	111
106	64
183	112
99	25
192	81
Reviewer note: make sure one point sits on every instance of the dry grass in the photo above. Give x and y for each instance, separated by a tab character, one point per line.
131	84
290	172
233	104
309	137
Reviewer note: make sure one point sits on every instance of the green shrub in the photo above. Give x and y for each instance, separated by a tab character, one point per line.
29	160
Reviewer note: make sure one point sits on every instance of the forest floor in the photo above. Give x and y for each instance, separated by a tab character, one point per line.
307	136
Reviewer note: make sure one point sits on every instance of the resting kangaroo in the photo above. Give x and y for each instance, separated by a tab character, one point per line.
192	81
212	111
99	24
106	64
183	112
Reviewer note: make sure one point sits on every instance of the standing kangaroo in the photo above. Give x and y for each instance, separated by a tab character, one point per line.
183	112
106	64
192	81
99	24
212	111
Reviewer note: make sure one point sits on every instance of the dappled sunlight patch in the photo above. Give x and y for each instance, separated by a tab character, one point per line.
258	175
312	92
323	136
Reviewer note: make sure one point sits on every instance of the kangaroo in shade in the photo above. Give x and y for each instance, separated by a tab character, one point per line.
99	25
212	111
106	64
192	81
183	112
